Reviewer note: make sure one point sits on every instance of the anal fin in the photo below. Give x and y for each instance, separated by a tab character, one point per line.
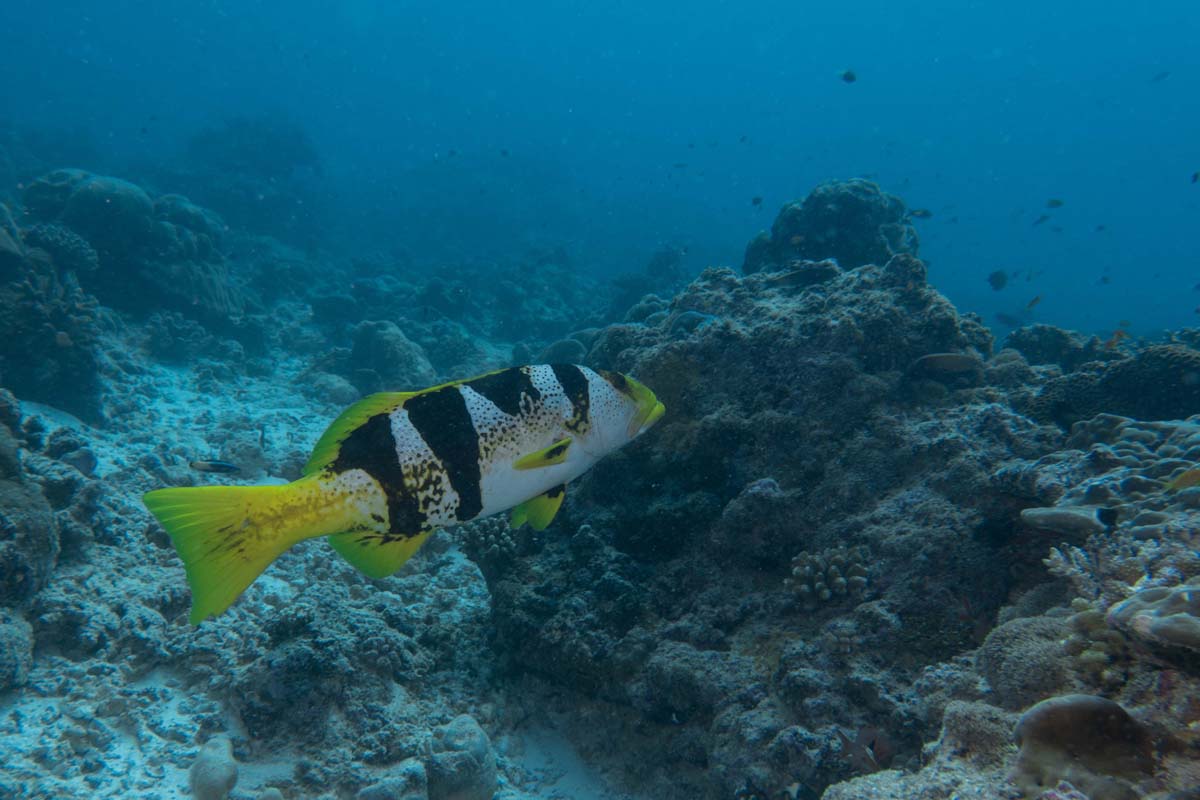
539	511
377	555
554	454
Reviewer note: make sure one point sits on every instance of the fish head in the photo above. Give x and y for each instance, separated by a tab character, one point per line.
647	408
625	409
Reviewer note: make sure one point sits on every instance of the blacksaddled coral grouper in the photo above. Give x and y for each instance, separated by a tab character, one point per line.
397	465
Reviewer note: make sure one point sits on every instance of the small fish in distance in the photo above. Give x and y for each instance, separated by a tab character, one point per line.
215	466
1184	480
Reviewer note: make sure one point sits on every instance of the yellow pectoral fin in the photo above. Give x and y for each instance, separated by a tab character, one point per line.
539	511
554	454
374	554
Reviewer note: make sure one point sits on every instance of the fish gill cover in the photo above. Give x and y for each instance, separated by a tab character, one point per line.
913	285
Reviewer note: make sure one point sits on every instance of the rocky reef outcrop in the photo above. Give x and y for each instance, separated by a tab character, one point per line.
49	331
140	253
853	222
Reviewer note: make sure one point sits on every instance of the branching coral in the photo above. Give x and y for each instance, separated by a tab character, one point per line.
833	573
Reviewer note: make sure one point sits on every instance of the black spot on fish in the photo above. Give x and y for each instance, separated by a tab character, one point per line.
556	491
617	380
372	448
575	386
506	388
444	423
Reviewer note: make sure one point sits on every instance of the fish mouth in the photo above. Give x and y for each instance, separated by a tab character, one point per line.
649	409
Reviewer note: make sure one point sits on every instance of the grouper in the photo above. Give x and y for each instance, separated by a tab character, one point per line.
397	466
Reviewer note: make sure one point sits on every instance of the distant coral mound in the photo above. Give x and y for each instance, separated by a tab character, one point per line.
854	222
134	252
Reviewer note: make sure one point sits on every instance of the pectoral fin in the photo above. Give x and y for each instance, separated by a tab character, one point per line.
554	454
539	511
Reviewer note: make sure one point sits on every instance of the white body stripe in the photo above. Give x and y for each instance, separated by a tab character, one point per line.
439	500
504	439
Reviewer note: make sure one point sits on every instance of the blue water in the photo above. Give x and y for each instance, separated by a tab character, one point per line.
481	129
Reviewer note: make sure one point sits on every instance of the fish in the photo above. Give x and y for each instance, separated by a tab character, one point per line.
849	77
1007	319
946	364
215	466
1101	227
1159	77
1196	177
1054	202
997	279
396	466
1112	341
920	213
756	201
1033	303
1041	219
1184	480
1104	280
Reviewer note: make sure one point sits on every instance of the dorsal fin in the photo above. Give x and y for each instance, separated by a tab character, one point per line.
331	440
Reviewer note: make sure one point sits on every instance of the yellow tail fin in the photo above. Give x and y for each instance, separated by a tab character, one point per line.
227	535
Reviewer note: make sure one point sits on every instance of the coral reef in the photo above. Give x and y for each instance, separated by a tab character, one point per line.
29	531
853	222
167	247
834	573
1119	387
214	773
49	333
1162	616
861	556
1088	741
